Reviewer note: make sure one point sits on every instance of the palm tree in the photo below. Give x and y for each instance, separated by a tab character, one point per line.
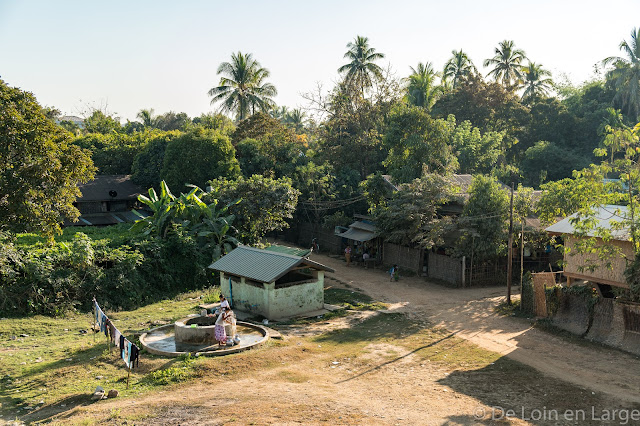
361	68
146	117
626	74
421	89
458	66
535	82
506	63
243	89
296	119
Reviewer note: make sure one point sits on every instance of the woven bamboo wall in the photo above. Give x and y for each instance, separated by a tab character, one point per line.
619	263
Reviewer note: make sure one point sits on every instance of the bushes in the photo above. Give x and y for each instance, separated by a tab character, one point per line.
122	272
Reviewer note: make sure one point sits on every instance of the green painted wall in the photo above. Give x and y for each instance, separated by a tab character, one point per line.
274	303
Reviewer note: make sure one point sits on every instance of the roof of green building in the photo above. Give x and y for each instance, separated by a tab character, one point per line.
262	265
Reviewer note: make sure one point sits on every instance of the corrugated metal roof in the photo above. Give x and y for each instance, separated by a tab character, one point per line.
261	265
608	217
365	226
288	250
357	235
109	188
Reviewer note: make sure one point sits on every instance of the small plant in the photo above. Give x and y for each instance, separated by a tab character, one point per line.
182	371
211	295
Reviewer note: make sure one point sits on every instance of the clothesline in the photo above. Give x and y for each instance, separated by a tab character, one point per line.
129	352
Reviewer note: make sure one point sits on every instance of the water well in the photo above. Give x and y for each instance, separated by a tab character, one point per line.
195	335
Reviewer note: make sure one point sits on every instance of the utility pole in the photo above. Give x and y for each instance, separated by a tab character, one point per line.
510	247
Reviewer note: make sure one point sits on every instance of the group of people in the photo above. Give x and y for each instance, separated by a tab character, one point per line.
365	256
225	325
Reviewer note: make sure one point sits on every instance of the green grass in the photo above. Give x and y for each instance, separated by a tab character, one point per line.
56	362
350	299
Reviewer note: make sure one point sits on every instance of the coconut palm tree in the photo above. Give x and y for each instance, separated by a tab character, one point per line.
458	66
296	119
421	88
242	88
625	74
146	117
507	63
361	67
535	82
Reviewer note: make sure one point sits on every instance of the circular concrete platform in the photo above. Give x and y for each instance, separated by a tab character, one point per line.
161	341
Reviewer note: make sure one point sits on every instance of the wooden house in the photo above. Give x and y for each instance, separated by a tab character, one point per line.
588	266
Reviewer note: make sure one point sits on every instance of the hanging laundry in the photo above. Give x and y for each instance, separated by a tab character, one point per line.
121	346
134	355
112	332
127	352
116	337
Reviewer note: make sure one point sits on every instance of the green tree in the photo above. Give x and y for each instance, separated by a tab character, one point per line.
242	88
422	90
459	66
625	75
411	216
99	122
535	82
146	117
361	68
483	220
265	204
40	168
507	64
546	161
112	153
147	164
414	141
218	122
476	152
198	156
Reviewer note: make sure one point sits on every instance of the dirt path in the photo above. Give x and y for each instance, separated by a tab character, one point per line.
469	313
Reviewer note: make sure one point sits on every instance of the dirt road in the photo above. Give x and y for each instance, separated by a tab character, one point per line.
469	313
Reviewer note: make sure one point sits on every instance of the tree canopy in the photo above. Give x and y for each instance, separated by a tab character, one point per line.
40	168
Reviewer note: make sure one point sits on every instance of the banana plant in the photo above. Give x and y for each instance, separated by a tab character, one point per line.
211	224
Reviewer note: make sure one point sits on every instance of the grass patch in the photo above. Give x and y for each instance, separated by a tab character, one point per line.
350	299
54	362
420	339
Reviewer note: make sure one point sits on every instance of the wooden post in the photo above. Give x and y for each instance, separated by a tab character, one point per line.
128	375
510	248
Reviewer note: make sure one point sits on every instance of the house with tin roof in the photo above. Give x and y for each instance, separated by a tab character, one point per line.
272	284
580	266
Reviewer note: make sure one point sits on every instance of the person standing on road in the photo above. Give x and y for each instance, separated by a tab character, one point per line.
347	255
394	273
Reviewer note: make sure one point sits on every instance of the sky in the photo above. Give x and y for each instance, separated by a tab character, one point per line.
124	56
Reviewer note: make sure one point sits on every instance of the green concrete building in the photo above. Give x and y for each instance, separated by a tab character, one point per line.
271	284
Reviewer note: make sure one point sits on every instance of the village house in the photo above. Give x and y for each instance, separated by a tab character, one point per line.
588	266
107	200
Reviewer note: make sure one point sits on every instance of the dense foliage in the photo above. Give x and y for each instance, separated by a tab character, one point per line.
39	167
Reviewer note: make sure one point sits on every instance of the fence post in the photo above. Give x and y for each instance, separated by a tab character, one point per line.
463	268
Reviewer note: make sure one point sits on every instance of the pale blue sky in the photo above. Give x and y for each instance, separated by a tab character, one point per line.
164	54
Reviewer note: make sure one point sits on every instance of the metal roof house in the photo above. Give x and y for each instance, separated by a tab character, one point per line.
272	284
587	266
107	200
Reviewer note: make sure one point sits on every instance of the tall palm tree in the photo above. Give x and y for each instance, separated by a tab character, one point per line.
361	67
507	63
146	117
296	119
458	66
421	88
626	74
242	88
535	82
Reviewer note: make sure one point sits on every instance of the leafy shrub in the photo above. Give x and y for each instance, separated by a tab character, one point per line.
122	271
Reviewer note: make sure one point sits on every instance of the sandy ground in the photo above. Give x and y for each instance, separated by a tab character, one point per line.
387	385
469	313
